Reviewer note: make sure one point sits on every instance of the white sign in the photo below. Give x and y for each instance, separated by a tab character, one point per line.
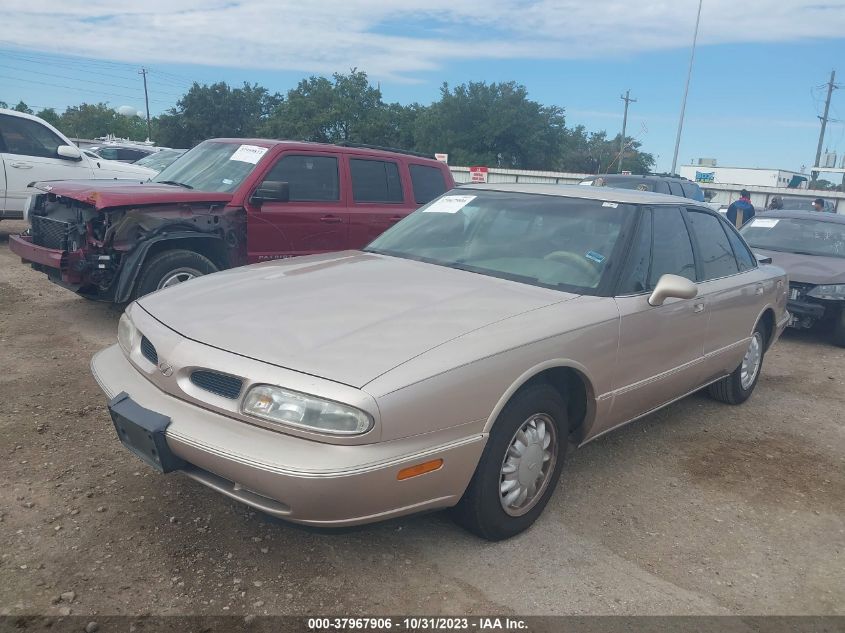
249	154
764	223
443	158
448	204
478	174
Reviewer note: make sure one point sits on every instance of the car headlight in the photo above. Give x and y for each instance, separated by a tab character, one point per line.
306	412
828	291
126	333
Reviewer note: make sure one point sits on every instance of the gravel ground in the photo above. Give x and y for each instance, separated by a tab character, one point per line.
699	509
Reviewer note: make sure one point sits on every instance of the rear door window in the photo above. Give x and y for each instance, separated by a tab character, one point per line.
375	181
428	183
714	250
635	278
675	189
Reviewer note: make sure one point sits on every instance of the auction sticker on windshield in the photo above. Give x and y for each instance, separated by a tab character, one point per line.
764	223
449	204
249	154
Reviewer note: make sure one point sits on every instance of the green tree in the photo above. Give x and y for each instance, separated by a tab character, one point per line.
492	124
51	116
346	108
212	111
22	107
93	120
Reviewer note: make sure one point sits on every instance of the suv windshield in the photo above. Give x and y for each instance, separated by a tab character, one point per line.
549	241
212	166
796	235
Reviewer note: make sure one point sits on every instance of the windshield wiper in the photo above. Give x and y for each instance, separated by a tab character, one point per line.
173	182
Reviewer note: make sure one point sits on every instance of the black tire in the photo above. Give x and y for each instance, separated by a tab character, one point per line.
481	508
839	329
730	389
167	264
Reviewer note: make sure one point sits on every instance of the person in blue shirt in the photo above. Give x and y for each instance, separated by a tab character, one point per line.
741	211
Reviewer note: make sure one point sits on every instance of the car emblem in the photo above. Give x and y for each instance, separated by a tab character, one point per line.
165	369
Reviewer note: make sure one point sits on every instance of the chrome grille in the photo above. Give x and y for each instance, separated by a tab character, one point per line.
148	350
221	384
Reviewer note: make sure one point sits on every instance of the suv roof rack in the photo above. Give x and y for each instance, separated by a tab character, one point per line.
384	149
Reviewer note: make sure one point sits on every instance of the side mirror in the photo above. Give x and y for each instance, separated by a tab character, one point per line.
762	259
672	286
271	191
68	152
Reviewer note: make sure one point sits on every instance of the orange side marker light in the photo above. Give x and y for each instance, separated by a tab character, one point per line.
419	469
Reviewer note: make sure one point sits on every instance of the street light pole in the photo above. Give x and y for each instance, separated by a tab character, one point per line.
143	72
686	90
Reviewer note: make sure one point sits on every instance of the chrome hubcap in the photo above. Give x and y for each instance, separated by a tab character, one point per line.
177	277
528	464
751	361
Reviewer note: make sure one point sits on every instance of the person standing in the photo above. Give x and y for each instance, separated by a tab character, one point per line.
741	211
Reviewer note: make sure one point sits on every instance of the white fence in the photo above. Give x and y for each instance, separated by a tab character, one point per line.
717	193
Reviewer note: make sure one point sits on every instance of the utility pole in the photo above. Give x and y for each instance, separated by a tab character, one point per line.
830	88
627	99
686	90
143	73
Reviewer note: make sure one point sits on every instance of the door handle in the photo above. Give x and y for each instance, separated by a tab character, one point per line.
20	165
396	218
331	219
698	307
758	290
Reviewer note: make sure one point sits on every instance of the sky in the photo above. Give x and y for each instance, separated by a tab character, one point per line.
756	93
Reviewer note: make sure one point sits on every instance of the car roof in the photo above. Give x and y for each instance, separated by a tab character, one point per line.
644	177
803	215
329	147
608	194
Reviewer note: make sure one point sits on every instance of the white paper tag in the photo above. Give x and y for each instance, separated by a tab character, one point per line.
449	204
612	205
248	154
764	223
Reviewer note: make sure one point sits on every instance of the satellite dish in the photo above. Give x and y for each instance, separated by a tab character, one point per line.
128	111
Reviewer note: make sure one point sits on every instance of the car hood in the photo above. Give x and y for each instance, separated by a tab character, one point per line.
102	194
348	317
808	269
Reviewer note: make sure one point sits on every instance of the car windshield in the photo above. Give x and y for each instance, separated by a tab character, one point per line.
160	160
798	203
549	241
794	235
212	166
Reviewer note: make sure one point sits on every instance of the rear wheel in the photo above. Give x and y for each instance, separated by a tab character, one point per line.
839	329
738	386
171	268
519	468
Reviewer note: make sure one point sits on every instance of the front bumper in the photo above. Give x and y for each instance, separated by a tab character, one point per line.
804	313
295	478
58	264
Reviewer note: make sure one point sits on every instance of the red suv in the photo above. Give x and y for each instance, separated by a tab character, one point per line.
225	203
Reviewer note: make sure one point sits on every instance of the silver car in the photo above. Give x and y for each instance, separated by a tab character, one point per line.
451	362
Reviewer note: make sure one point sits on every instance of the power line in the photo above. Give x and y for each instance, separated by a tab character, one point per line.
109	94
831	86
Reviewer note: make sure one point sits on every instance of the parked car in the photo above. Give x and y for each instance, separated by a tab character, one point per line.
672	185
124	153
805	203
810	246
449	362
225	203
160	160
31	149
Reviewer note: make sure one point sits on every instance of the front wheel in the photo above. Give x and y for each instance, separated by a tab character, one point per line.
520	466
170	268
739	385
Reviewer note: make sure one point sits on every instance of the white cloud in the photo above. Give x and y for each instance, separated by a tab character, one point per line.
397	40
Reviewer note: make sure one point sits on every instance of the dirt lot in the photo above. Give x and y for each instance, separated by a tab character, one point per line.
699	509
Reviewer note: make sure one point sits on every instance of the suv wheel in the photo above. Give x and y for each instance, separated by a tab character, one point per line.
170	268
738	386
519	468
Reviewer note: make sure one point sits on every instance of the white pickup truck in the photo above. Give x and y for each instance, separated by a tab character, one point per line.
32	150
